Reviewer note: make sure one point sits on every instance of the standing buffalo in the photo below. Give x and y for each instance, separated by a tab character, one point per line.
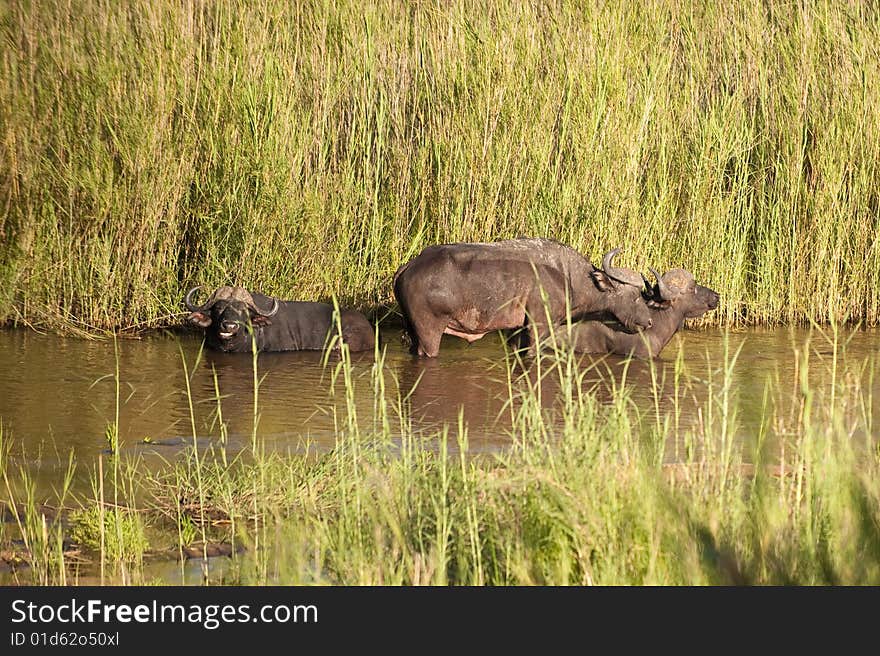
277	325
677	297
468	290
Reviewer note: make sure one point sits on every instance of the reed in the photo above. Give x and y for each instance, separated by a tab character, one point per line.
32	523
306	149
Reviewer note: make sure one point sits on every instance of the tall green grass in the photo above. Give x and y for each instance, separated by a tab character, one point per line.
309	148
590	491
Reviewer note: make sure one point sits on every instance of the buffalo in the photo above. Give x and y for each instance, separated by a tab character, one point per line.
232	316
676	297
468	290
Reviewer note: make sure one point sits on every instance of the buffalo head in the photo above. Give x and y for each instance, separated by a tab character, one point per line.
624	290
677	288
228	310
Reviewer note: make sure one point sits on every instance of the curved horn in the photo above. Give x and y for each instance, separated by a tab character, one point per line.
621	275
609	257
666	293
188	300
270	313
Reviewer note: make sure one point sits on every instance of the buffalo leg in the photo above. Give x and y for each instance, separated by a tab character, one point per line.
428	336
518	338
409	337
536	327
409	330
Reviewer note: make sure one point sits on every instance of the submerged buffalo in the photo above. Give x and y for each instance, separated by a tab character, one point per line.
676	297
468	290
276	325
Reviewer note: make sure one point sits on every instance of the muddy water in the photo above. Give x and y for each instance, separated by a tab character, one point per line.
59	395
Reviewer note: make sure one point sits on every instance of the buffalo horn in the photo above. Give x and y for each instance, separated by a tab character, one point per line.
621	275
188	300
275	306
666	293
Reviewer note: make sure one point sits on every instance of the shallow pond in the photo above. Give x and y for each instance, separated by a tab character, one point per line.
59	395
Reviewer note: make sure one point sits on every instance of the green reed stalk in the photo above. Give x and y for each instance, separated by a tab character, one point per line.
197	459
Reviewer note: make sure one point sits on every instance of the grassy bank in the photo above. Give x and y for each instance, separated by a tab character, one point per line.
308	148
587	493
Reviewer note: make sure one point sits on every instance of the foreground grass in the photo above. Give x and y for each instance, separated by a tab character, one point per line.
587	493
147	147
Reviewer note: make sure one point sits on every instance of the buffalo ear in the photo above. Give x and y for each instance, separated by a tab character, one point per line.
260	320
602	281
200	319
